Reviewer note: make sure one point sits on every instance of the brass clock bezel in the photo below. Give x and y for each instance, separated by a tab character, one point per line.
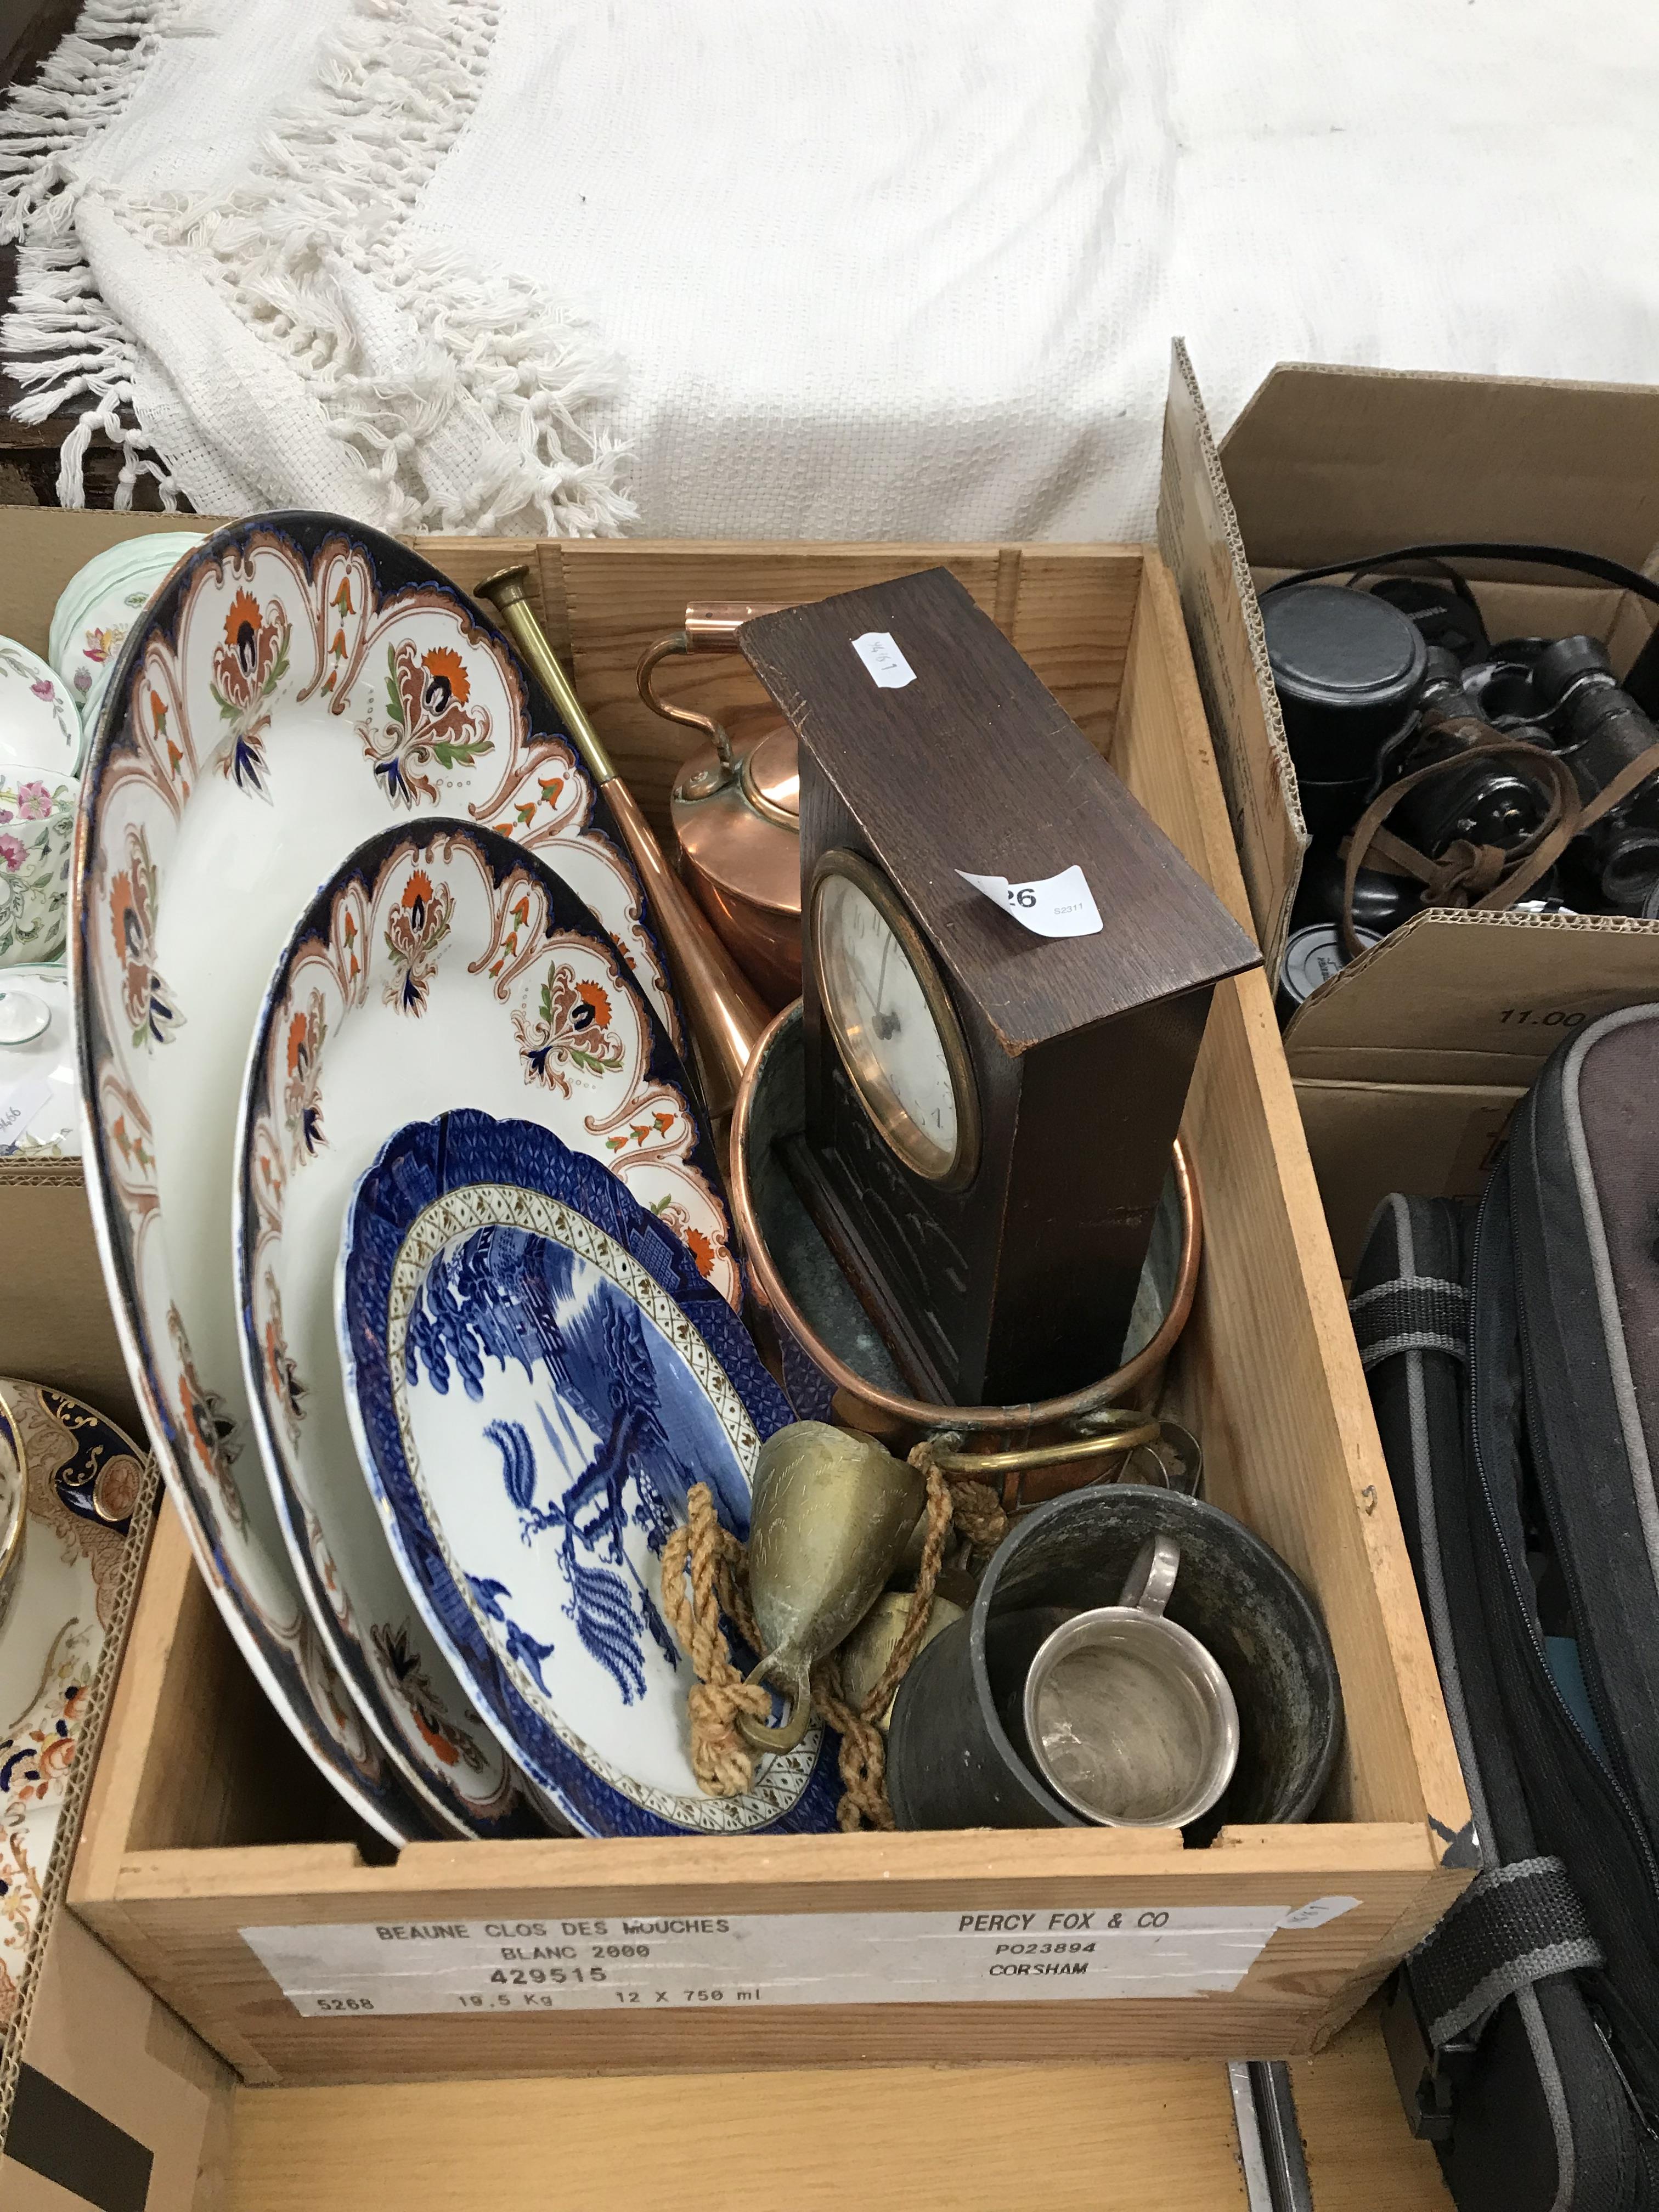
961	1168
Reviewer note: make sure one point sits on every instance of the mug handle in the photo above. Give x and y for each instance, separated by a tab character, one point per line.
1153	1578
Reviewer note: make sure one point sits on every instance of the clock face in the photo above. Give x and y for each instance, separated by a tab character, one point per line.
887	1008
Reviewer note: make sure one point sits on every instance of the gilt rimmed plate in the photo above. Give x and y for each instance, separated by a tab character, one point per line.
537	1373
86	1483
298	685
441	967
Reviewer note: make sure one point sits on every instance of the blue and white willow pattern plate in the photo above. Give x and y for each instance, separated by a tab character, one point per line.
537	1374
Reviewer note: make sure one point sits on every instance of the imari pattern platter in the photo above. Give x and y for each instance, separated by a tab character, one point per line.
538	1372
442	967
89	1492
298	685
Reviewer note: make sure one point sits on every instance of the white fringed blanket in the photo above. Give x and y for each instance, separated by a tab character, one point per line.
833	268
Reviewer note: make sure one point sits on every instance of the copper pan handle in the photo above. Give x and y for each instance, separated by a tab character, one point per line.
711	629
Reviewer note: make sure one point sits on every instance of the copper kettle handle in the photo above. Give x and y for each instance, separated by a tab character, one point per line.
708	628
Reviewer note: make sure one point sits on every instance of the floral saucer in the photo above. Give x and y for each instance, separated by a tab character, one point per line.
298	685
537	1373
39	726
442	966
39	1100
86	1485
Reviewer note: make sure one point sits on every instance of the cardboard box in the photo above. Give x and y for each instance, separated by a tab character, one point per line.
116	2104
206	1820
1327	463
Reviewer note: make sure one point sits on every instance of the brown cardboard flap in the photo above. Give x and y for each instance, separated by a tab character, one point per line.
1198	536
1433	1140
1325	462
1471	998
156	2092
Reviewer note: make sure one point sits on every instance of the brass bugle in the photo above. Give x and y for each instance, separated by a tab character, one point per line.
726	1015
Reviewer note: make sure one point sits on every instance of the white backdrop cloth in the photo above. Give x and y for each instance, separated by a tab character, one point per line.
860	268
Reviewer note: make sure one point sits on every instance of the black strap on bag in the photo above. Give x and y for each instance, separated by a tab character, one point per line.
1513	1925
1411	1313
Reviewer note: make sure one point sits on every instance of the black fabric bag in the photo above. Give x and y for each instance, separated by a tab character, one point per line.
1512	1350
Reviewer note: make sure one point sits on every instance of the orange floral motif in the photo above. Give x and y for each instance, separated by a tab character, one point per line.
419	924
451	1747
280	1372
36	1759
640	1133
132	1148
574	1031
246	670
429	718
337	649
302	1105
208	1425
697	1242
145	1000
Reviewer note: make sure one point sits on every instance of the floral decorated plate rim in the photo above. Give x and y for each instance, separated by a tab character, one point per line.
547	919
463	1171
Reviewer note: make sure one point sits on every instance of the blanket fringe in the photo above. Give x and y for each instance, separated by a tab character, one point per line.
313	236
61	342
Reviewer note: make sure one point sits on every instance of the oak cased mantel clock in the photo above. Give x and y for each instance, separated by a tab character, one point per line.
990	1112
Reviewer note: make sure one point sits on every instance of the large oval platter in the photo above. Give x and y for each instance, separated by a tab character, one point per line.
299	684
537	1374
441	967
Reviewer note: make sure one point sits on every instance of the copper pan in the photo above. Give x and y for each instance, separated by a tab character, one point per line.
997	1432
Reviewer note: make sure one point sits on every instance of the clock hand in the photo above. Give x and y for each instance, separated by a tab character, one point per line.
885	1026
882	1020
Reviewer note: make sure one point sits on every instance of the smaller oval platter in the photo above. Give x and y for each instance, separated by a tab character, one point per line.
441	966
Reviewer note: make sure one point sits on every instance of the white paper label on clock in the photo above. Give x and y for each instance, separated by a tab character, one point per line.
881	657
1058	906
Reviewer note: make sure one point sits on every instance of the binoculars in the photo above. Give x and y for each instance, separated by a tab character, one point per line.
1381	685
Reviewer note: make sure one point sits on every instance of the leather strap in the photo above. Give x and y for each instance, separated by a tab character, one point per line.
1641	680
1469	875
1539	556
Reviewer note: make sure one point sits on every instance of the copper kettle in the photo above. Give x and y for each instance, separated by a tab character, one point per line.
736	812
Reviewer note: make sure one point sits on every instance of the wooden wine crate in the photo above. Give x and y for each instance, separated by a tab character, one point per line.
205	1819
